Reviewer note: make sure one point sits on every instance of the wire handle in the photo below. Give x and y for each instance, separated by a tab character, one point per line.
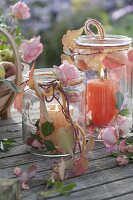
97	24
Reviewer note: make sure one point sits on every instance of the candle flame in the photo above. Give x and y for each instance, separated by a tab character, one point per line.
56	108
102	73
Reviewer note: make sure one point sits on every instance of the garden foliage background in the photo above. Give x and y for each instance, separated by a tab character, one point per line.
51	18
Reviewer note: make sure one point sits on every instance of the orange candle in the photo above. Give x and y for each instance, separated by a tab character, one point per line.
101	101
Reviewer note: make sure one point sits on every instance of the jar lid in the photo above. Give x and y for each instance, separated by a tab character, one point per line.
107	41
101	39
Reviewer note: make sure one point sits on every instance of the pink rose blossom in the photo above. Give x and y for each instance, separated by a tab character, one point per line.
66	72
20	10
31	49
122	160
110	136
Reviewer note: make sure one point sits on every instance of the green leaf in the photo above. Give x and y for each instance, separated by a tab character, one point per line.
60	188
124	112
129	140
49	183
11	85
115	154
119	100
49	145
47	128
18	40
66	139
36	137
5	144
3	38
64	189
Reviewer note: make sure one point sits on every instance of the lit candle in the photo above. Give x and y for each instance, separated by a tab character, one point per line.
55	112
101	100
59	121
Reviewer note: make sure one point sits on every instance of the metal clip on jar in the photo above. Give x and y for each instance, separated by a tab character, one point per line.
109	79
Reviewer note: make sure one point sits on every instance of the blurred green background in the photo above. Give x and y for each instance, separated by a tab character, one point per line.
52	18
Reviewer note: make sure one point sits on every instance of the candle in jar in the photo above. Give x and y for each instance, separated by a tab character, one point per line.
59	121
101	101
55	112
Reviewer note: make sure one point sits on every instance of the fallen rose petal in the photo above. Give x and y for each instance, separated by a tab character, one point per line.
32	170
61	169
17	171
36	144
81	166
25	186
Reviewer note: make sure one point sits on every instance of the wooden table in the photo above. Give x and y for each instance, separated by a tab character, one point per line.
104	180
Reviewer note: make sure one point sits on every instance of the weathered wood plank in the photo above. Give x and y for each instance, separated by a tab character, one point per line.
103	181
8	122
12	131
46	165
128	196
18	155
94	182
102	192
17	150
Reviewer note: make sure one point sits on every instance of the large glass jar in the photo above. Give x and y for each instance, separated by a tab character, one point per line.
64	109
104	58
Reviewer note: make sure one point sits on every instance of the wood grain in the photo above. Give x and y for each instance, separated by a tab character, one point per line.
104	179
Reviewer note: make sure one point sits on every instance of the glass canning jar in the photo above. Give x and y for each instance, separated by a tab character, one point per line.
104	58
36	133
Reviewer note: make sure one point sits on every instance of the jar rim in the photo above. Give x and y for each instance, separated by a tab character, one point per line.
46	75
108	41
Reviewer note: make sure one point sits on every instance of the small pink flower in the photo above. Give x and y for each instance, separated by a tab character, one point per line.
66	72
122	160
130	55
17	171
110	136
31	49
20	10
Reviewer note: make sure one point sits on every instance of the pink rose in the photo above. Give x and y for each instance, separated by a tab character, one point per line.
110	136
66	72
20	10
31	49
122	160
